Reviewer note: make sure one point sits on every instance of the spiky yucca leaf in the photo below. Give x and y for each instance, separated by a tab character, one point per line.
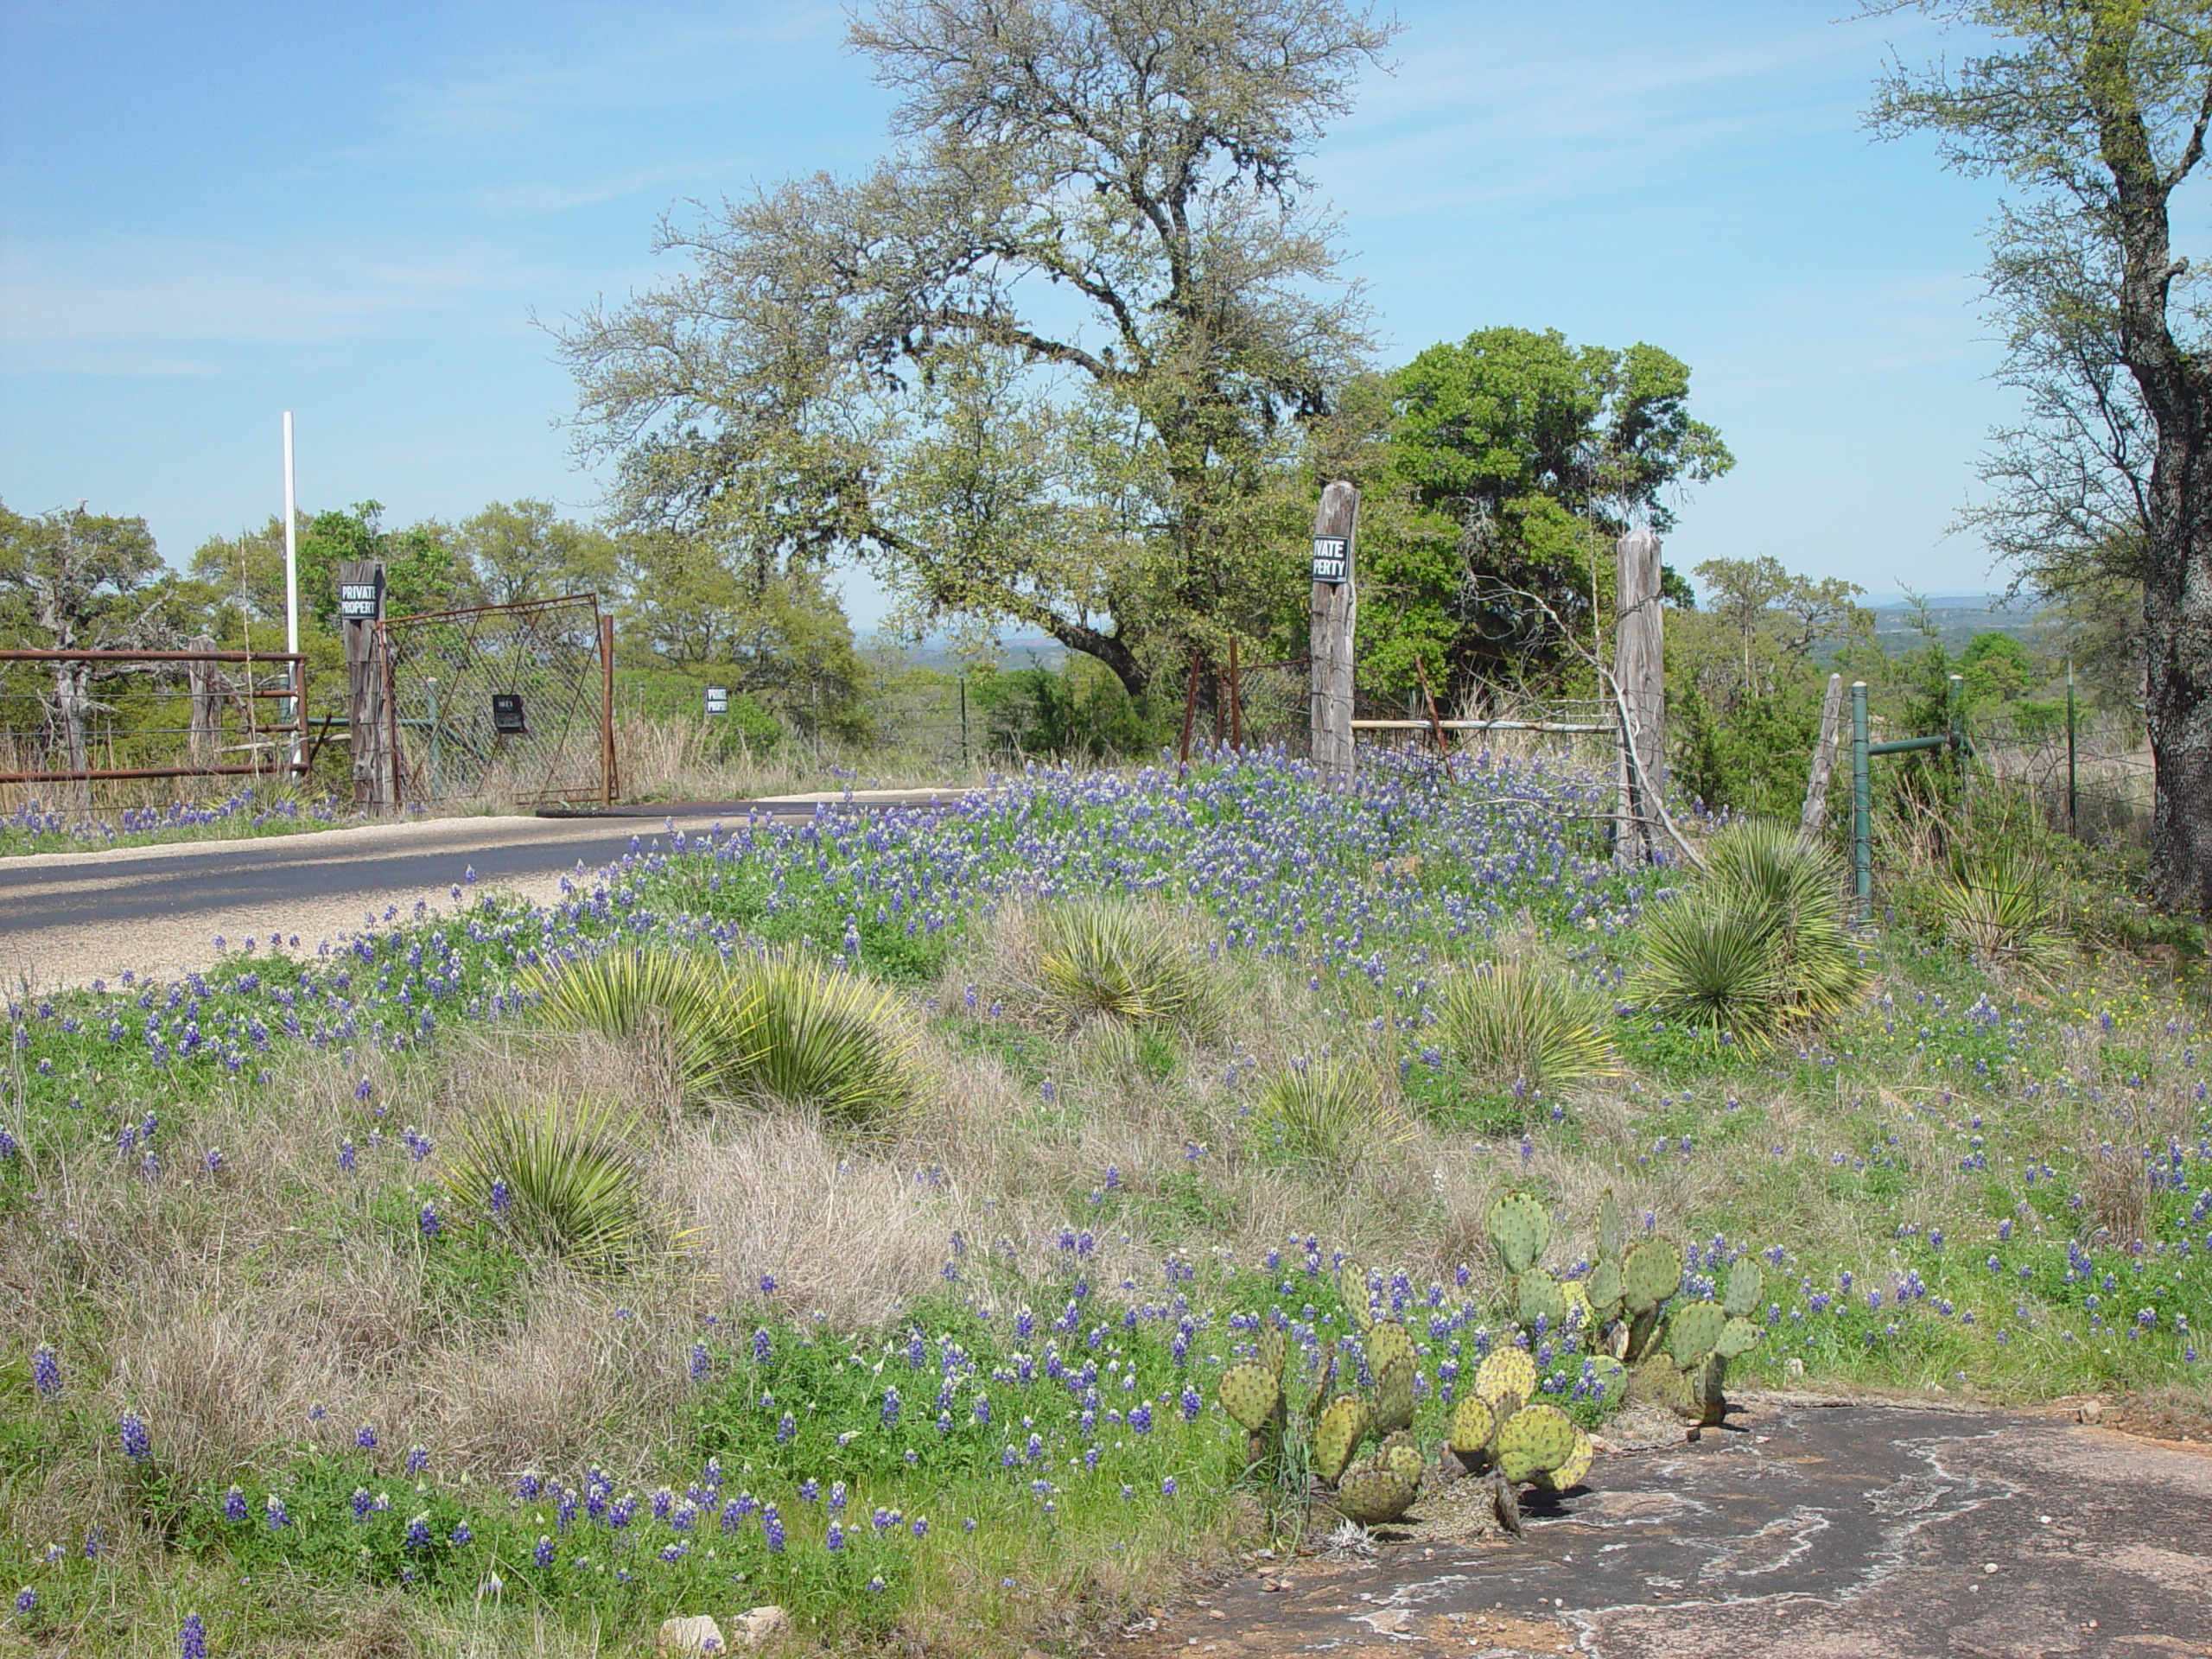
1713	963
1516	1025
1117	960
2001	907
632	994
1328	1115
831	1042
564	1180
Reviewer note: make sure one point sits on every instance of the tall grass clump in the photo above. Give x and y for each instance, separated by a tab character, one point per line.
1758	943
834	1043
682	999
564	1181
1117	961
2002	906
1513	1024
1328	1117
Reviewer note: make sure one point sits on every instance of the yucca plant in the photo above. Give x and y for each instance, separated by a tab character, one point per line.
2000	906
631	994
831	1042
1758	941
1121	962
1327	1116
564	1180
1514	1024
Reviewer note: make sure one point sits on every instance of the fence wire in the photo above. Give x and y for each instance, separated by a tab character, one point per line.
458	735
2110	792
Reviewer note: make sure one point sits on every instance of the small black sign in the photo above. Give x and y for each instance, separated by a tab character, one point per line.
1331	558
718	700
360	602
506	714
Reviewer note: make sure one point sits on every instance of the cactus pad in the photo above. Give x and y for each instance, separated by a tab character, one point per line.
1692	1330
1534	1441
1536	1296
1394	1397
1650	1274
1337	1433
1738	1337
1400	1455
1388	1342
1520	1229
1746	1284
1574	1297
1250	1394
1570	1473
1473	1424
1274	1350
1602	1290
1351	1288
1506	1370
1374	1497
1609	1227
1610	1375
1322	1378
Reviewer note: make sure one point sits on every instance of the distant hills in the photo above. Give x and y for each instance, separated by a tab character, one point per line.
1958	618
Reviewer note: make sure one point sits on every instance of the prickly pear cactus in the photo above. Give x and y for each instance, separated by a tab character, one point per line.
1534	1441
1609	1377
1388	1342
1574	1297
1693	1331
1520	1229
1337	1434
1374	1497
1650	1274
1609	1227
1250	1394
1602	1289
1738	1337
1474	1425
1707	1398
1322	1379
1503	1371
1746	1284
1274	1350
1394	1397
1570	1474
1400	1455
1351	1288
1536	1296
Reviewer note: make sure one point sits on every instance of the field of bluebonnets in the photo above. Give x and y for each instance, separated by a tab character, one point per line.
922	1346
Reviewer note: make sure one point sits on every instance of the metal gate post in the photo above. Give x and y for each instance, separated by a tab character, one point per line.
1862	807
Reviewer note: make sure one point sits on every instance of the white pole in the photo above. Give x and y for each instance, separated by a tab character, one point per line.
291	573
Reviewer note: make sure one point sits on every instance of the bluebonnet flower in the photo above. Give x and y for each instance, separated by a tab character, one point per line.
346	1156
543	1555
46	1370
364	1503
771	1528
461	1534
502	1200
417	1538
419	1459
26	1600
428	1221
833	1539
234	1508
700	1363
365	1437
277	1517
137	1444
890	1411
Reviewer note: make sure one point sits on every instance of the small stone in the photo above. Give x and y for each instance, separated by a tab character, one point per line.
1793	1367
1989	1567
697	1634
2092	1411
763	1625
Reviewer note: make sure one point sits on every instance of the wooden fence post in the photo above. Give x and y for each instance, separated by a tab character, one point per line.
1814	817
1335	528
360	607
1639	675
207	717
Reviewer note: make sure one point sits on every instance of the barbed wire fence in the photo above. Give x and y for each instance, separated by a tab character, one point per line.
2097	781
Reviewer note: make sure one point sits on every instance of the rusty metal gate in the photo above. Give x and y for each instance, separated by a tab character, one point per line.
510	702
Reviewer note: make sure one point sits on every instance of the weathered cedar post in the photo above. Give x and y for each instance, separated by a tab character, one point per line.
1639	671
206	723
360	606
1335	613
1815	815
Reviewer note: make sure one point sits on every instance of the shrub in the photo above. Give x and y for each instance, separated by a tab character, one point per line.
564	1181
637	994
835	1043
1328	1117
1117	961
2002	905
1759	942
1512	1024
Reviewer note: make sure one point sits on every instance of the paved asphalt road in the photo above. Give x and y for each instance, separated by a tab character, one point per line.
67	918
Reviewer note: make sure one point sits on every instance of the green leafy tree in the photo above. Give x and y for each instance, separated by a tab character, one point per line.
524	550
1515	459
1041	362
423	569
2095	113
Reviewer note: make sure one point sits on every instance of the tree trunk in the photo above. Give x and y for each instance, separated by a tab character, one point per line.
73	698
2177	650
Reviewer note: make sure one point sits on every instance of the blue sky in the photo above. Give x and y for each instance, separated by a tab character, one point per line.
211	212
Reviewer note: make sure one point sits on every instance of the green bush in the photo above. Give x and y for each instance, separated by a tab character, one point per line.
1328	1117
1513	1024
664	694
1759	942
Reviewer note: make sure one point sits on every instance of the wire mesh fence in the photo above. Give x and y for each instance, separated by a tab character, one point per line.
2098	782
506	702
